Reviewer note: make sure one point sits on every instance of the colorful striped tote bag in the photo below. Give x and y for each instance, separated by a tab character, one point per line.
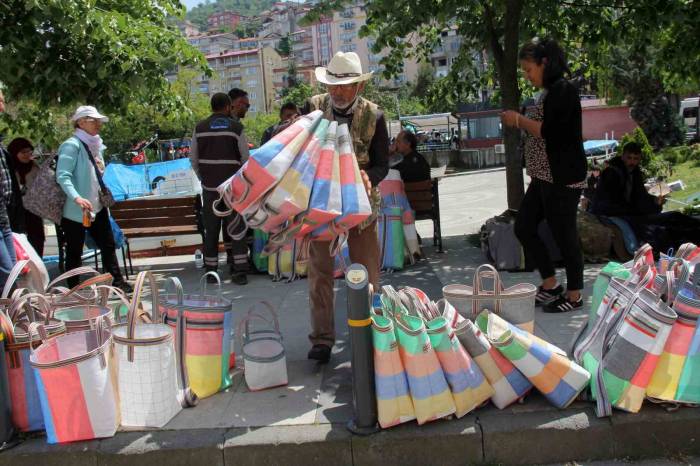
689	383
432	398
393	194
264	169
391	240
326	199
76	379
356	205
508	383
286	264
467	383
260	239
24	393
394	403
152	378
559	379
208	332
291	195
623	357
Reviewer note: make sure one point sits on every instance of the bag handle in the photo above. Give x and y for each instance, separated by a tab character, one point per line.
135	302
186	396
203	285
100	279
15	273
217	202
179	292
72	273
232	225
481	272
24	302
271	311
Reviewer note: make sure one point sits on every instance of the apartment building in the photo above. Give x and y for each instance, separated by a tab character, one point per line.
250	70
225	20
211	44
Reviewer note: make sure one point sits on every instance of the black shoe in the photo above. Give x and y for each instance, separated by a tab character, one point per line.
545	297
239	278
124	286
562	304
320	353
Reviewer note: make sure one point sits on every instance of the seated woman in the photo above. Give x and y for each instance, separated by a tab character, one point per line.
23	169
413	166
621	193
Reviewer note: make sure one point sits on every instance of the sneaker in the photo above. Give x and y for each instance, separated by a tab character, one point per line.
545	297
239	278
562	304
320	353
125	287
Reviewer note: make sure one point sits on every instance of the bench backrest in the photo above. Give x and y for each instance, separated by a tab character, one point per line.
156	212
420	195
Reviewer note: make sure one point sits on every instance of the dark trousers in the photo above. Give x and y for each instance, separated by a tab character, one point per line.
558	205
236	250
666	230
101	232
35	231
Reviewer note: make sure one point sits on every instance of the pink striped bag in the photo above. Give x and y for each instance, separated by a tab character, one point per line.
356	204
265	168
76	382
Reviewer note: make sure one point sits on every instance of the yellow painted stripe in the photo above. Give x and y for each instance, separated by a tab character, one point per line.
360	323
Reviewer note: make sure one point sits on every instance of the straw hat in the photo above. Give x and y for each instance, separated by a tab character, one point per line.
344	68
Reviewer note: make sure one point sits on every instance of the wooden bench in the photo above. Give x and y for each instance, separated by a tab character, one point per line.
424	198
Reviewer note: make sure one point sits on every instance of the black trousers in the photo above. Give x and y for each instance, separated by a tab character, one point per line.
236	250
666	230
558	205
101	232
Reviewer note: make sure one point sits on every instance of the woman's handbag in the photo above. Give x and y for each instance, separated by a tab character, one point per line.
79	395
508	383
552	373
208	331
467	383
152	379
44	196
264	358
515	304
394	403
23	389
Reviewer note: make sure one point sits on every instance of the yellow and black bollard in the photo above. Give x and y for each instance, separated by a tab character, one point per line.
364	420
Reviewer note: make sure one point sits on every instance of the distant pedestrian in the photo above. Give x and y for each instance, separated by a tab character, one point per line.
556	162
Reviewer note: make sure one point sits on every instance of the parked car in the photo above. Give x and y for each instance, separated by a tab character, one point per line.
689	112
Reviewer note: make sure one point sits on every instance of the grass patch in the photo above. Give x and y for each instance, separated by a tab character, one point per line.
689	173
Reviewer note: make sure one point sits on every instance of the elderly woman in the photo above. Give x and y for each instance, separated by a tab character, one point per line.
23	169
79	173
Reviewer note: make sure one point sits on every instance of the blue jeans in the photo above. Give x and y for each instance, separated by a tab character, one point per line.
7	248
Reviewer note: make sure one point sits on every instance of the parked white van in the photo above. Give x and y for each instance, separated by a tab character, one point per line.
689	112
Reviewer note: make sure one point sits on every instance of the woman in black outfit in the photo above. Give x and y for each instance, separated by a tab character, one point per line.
557	165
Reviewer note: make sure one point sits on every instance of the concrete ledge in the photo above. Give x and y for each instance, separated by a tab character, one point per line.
303	445
546	436
456	441
36	452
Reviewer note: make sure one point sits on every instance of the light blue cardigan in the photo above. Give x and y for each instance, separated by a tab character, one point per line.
74	174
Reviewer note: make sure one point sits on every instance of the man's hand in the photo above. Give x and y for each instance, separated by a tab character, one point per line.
84	204
661	200
368	184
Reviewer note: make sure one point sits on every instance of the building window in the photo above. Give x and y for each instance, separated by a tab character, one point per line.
348	25
323	28
253	83
253	96
251	71
348	48
442	62
487	127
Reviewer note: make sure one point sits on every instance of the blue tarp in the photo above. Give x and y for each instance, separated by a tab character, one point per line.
127	181
599	146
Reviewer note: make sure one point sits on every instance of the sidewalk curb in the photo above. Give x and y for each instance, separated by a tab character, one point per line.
516	435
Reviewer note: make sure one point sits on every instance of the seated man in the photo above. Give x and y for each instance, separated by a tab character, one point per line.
413	166
621	193
288	112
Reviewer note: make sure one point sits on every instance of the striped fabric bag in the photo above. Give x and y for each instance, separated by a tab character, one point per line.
393	194
208	331
467	383
326	199
24	393
508	383
623	355
356	205
76	379
291	195
394	403
676	275
516	304
264	169
432	398
417	303
285	264
552	373
260	239
391	239
689	383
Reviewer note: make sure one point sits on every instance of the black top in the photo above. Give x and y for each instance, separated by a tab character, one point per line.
268	133
413	167
622	193
562	132
378	148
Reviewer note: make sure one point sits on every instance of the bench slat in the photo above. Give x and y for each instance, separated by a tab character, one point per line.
185	221
154	203
422	206
121	215
426	185
162	231
419	196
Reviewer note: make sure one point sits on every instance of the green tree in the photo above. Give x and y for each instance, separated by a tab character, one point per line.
255	126
297	94
285	46
103	52
425	78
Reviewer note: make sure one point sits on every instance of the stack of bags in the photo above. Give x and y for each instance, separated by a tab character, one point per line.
303	183
641	338
430	362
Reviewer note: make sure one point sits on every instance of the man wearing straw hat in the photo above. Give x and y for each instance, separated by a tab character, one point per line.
344	81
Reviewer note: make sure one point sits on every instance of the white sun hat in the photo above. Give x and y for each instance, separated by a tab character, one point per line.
344	68
88	111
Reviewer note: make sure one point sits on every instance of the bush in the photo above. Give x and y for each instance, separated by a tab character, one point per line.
652	165
681	154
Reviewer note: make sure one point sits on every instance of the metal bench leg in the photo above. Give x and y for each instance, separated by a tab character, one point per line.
97	264
126	267
437	229
128	252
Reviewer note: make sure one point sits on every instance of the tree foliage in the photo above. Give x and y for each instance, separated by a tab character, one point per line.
199	14
102	52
